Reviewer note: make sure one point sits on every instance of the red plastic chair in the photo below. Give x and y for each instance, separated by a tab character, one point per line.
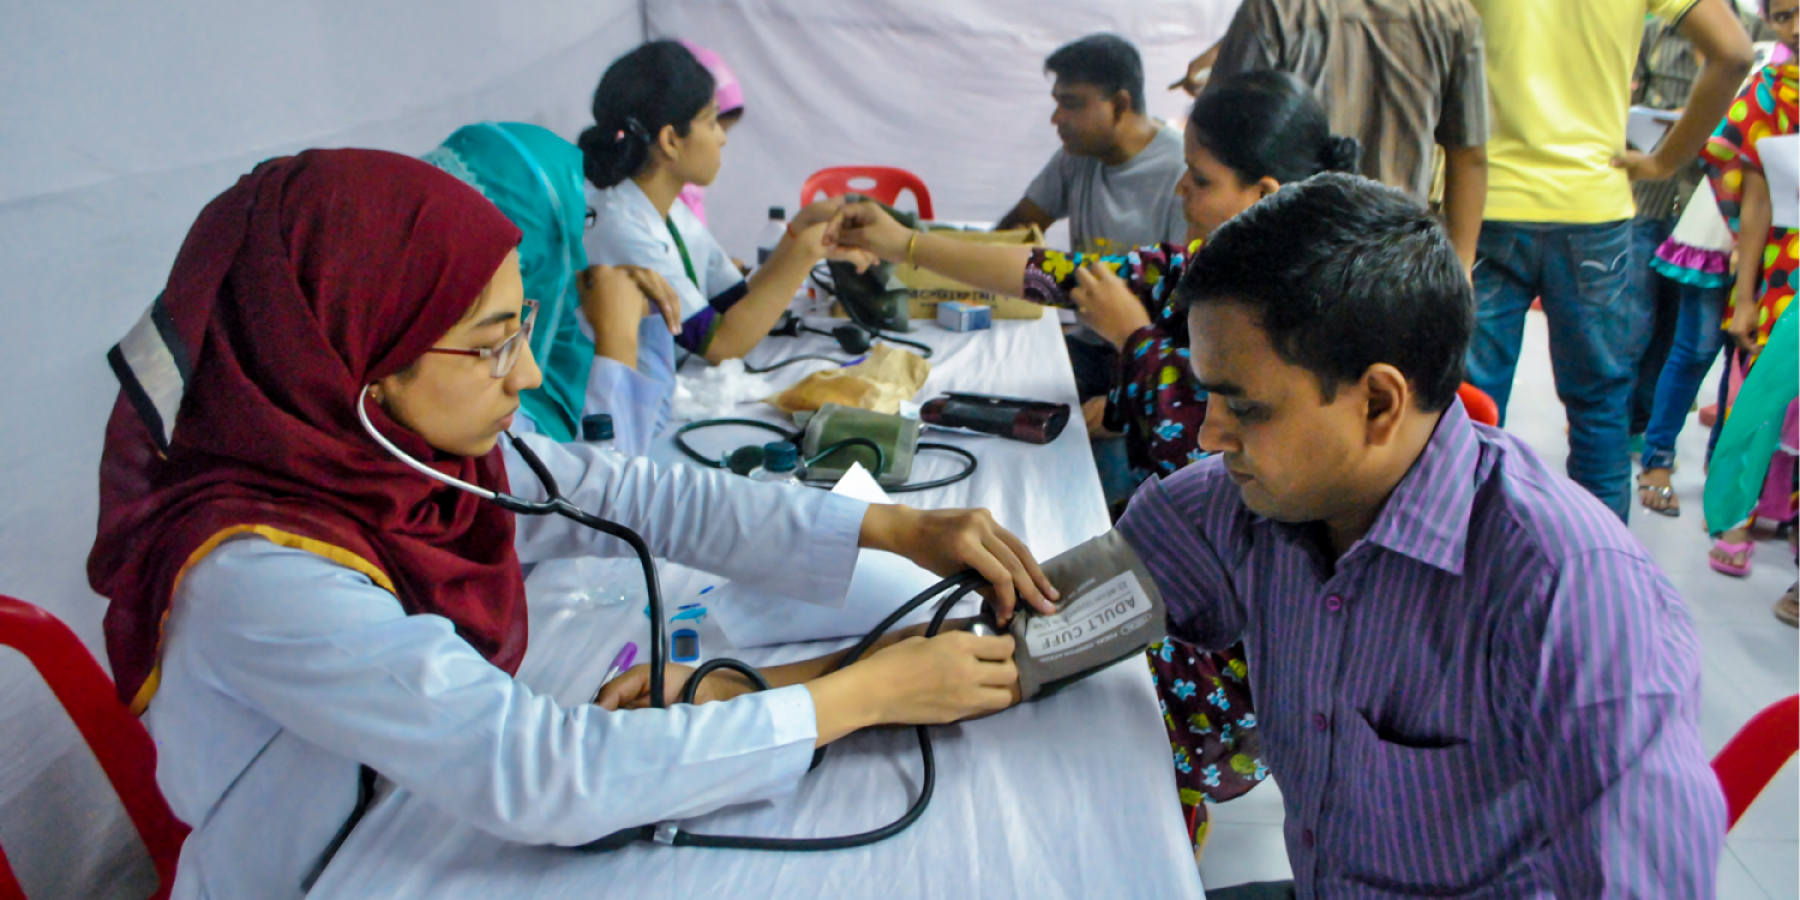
1481	407
1755	755
117	739
883	183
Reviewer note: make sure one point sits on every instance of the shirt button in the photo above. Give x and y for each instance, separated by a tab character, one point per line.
1306	839
1320	723
1334	603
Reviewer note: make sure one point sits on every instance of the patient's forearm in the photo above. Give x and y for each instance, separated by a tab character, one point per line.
1000	269
814	669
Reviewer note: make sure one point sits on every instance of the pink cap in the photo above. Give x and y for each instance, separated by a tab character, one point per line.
725	84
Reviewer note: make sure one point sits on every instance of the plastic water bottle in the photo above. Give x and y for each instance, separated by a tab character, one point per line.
771	234
597	430
781	464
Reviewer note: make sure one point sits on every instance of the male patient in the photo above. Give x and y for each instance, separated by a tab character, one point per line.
1114	178
1470	678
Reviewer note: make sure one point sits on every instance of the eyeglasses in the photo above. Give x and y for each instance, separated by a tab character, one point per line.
505	354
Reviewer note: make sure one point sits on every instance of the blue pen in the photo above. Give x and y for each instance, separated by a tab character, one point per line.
627	655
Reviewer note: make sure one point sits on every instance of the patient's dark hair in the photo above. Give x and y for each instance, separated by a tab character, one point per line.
1269	124
658	84
1106	61
1342	273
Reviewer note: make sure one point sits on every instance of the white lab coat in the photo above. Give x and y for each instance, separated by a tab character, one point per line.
628	231
283	671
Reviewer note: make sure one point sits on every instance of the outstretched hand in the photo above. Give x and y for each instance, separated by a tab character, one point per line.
947	541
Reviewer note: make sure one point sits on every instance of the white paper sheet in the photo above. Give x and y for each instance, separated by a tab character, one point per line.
1645	127
1781	166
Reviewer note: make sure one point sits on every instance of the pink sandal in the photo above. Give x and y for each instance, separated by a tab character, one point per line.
1747	548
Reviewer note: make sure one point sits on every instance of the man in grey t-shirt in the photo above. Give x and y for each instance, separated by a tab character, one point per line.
1114	178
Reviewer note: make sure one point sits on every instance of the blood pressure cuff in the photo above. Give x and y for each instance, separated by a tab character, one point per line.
1031	421
1110	610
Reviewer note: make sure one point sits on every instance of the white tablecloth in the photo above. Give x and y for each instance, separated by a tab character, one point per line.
1070	797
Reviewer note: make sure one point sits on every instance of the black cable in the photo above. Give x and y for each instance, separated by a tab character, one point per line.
958	585
681	443
856	319
941	482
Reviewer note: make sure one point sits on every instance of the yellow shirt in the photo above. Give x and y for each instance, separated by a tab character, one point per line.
1559	78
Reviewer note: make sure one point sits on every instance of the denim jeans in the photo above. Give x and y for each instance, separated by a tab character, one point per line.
1598	329
1697	340
1663	297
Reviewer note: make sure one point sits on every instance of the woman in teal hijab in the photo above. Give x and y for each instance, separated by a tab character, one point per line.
535	178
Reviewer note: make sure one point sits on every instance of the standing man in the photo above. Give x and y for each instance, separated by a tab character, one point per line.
1403	77
1559	207
1470	679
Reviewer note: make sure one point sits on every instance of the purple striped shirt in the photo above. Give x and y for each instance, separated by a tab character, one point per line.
1495	693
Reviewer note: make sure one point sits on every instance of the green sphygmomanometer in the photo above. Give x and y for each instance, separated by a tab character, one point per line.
835	438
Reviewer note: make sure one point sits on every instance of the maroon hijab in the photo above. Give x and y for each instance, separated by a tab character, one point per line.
313	276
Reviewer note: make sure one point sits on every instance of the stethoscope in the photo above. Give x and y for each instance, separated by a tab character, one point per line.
669	833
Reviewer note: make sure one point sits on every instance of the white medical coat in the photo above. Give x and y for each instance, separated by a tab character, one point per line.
283	672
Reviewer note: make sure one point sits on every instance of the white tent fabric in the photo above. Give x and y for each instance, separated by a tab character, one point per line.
124	119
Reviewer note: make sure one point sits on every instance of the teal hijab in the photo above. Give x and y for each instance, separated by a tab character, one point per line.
535	178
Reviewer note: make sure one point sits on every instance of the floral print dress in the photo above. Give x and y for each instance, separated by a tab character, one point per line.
1157	402
1765	108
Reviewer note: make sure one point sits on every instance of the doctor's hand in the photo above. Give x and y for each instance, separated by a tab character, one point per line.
947	541
1106	304
866	226
632	689
661	296
614	304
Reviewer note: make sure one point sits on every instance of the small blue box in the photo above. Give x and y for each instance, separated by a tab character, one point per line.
959	316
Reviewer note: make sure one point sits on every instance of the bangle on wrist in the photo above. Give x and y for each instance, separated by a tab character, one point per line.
912	243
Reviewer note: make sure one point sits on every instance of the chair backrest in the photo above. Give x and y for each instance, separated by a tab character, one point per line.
1755	755
883	183
117	739
1480	406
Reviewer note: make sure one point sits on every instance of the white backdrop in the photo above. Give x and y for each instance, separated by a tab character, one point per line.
122	119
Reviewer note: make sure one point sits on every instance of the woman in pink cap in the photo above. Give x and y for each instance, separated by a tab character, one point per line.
730	97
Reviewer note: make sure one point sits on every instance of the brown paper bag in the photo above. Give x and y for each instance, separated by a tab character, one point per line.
880	383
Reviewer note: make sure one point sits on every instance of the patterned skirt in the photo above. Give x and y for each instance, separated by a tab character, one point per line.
1206	706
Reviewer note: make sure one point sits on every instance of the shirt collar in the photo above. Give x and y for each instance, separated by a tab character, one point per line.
1427	515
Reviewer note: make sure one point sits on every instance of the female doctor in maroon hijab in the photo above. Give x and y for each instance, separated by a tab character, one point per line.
290	603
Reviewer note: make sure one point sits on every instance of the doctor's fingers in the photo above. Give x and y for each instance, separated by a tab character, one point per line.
1012	575
661	294
628	691
1043	600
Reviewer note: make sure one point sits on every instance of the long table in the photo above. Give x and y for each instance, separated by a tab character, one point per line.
1070	797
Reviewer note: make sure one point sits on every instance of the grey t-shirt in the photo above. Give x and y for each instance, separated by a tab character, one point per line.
1112	209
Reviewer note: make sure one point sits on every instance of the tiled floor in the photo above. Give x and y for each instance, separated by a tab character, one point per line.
1749	659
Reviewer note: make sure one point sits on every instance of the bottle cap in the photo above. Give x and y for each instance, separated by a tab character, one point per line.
597	427
781	456
777	214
